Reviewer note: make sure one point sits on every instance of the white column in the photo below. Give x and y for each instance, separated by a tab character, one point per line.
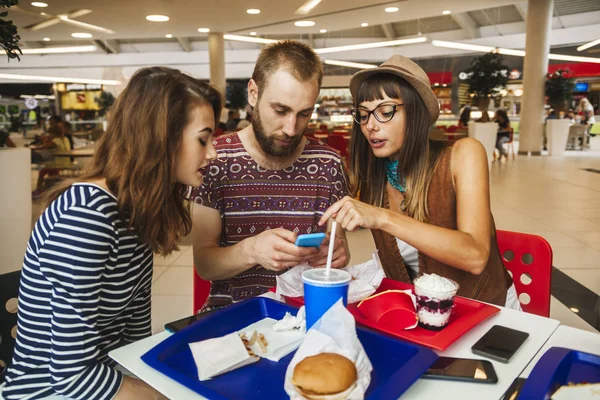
537	47
216	55
15	213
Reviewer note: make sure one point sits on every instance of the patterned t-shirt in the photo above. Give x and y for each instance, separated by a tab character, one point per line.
252	199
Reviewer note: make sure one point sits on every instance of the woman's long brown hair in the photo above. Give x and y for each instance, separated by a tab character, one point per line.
418	156
137	154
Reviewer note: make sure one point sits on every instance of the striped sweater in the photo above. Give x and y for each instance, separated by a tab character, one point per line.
85	290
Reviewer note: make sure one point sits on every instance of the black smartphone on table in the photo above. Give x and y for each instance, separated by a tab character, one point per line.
462	369
176	326
500	343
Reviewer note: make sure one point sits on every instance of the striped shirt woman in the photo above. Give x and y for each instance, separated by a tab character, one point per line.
85	290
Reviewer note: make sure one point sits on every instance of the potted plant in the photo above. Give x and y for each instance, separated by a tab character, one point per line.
9	38
104	101
487	76
559	91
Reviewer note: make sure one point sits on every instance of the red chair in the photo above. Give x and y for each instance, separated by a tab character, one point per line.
339	143
200	292
528	258
451	129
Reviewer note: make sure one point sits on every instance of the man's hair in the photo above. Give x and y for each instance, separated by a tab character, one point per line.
297	58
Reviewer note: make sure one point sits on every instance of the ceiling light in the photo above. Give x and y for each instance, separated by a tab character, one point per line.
46	39
81	35
574	309
203	30
446	12
39	4
364	24
35	78
252	33
391	9
323	31
54	50
306	7
588	45
304	23
253	11
168	36
157	18
371	45
249	39
508	52
349	64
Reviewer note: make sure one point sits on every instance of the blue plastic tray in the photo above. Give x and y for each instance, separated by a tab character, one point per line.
557	367
396	364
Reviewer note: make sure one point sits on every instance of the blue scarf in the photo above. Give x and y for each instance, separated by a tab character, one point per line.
392	176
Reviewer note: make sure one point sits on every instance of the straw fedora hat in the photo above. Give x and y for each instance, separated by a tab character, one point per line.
407	70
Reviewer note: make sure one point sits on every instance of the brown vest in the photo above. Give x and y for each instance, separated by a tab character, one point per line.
490	286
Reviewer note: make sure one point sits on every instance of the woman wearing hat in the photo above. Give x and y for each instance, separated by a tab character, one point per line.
426	202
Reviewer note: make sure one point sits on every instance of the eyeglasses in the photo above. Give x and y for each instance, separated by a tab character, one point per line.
382	113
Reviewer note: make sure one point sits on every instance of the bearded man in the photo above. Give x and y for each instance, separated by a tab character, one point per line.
268	184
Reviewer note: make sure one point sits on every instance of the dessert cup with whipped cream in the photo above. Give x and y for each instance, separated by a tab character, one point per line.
435	299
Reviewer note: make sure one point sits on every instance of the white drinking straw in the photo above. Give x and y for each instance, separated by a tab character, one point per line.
330	251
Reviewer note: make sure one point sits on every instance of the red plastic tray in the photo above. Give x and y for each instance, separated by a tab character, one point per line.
466	314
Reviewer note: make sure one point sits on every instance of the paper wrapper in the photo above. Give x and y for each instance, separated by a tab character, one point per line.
223	354
335	332
219	355
280	343
366	279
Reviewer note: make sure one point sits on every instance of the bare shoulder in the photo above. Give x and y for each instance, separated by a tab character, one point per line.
468	153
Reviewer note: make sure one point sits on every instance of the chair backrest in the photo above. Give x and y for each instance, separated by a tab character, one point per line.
528	258
200	292
339	143
9	291
511	135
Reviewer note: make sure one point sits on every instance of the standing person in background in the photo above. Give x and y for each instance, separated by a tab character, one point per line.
87	275
501	118
426	202
269	184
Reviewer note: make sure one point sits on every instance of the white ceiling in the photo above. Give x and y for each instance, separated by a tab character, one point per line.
127	17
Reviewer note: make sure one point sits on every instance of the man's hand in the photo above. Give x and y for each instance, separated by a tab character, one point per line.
341	254
275	250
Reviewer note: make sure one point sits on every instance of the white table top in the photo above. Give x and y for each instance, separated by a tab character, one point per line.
570	338
539	329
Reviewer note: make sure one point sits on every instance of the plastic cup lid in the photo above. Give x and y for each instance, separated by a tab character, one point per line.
318	276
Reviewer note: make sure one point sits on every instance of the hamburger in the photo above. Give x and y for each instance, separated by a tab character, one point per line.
325	376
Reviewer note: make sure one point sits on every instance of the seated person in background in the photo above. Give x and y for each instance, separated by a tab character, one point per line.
65	128
54	141
245	122
87	275
268	185
465	117
233	120
426	202
501	118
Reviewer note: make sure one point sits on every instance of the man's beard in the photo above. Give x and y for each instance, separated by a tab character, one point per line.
268	144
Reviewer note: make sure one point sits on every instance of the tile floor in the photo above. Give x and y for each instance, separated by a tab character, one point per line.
547	196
